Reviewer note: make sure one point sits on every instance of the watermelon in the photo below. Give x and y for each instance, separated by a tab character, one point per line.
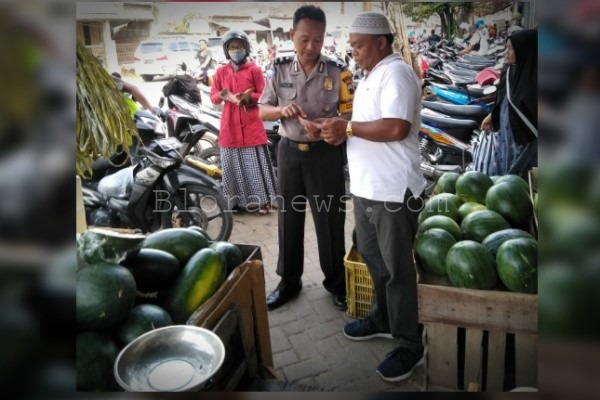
446	183
231	255
198	281
493	241
154	270
517	265
468	207
495	178
439	205
516	179
512	202
473	186
450	197
441	222
95	356
431	248
97	245
180	242
479	224
105	294
469	265
142	318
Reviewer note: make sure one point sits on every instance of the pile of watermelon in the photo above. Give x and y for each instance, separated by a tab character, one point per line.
474	230
130	284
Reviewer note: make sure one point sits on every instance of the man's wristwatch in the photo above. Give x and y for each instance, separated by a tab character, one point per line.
349	132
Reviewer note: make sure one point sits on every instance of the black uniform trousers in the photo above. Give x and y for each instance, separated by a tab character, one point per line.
314	176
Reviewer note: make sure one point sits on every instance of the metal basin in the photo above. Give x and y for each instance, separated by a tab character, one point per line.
170	359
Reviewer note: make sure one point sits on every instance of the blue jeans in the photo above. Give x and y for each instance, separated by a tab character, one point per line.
384	233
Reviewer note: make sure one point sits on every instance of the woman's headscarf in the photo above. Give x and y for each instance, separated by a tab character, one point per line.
523	85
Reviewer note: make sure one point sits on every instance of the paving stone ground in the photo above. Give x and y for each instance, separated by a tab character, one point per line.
306	334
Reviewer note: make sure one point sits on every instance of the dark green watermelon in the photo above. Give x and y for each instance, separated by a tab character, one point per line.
512	202
479	224
446	183
441	222
105	294
469	265
154	270
431	248
517	265
493	241
95	356
473	186
142	318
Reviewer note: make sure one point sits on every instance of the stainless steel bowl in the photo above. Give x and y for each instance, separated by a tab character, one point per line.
171	359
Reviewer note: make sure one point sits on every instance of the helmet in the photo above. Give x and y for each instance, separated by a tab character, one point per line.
231	35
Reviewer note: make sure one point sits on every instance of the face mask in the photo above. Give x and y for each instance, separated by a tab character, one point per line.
237	56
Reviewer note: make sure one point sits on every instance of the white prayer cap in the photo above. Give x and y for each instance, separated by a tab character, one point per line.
370	23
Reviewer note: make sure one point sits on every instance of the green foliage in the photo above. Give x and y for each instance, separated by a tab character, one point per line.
447	11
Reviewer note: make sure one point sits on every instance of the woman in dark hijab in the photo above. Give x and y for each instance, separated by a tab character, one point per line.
514	117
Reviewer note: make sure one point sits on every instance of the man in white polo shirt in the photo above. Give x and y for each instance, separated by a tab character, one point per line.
386	183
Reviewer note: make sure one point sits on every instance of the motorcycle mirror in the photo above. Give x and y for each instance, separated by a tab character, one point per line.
183	67
161	102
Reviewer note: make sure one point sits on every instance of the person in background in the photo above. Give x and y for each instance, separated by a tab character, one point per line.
434	38
516	131
135	92
305	88
248	178
476	44
205	62
386	184
493	31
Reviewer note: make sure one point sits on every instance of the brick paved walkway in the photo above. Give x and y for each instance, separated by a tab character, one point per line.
306	334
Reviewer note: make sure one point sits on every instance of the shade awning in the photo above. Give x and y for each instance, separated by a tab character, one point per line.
243	26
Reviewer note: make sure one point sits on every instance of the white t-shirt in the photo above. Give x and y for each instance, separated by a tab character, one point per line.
383	171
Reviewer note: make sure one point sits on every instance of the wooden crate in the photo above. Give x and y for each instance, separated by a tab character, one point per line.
244	291
479	340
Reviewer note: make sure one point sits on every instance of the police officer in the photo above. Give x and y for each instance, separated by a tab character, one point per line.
305	88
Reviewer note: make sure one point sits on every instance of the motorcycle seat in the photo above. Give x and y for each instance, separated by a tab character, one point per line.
449	122
454	110
117	185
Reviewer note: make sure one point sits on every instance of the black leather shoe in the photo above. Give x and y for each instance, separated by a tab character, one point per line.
279	297
339	301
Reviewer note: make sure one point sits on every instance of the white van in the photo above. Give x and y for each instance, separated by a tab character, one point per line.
161	56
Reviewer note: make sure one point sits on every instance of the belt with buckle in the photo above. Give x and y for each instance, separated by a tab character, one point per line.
302	146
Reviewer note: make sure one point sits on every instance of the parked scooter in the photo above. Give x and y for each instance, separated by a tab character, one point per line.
441	152
159	191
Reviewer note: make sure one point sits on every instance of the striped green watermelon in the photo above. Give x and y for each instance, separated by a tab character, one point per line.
516	179
469	265
439	205
512	202
493	241
517	265
441	222
431	248
468	207
473	186
446	183
479	224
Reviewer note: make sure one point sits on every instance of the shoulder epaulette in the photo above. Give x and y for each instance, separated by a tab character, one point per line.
337	63
283	60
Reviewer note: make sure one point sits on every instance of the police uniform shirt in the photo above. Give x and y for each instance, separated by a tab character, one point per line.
327	92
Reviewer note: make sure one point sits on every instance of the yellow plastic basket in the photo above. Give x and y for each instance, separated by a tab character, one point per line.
359	285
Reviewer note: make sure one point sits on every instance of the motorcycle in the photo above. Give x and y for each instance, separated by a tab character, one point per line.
158	190
440	153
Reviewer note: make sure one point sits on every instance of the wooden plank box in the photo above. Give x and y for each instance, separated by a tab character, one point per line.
244	290
478	340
